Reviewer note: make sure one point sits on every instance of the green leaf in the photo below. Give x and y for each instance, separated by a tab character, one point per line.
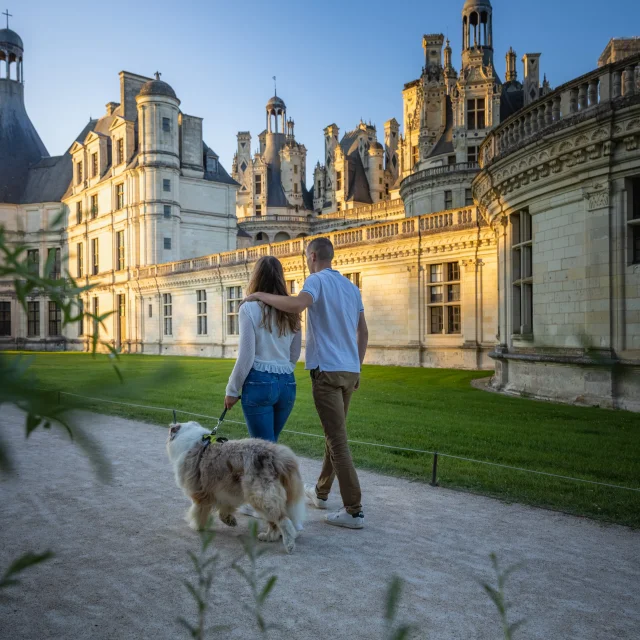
393	595
23	562
267	589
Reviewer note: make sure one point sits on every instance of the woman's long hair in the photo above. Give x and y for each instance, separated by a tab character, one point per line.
268	277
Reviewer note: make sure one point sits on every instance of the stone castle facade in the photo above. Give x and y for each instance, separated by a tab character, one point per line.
496	229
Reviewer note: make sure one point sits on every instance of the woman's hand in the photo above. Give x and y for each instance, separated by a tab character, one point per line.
229	401
253	297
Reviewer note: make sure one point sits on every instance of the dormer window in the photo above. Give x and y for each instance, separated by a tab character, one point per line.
166	124
120	151
94	165
79	172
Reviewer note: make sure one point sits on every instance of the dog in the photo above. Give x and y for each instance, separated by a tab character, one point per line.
222	476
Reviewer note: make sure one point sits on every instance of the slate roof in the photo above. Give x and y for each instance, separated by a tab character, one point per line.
20	145
445	141
512	99
358	187
221	174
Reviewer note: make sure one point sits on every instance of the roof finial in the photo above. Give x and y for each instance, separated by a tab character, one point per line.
275	91
9	15
157	74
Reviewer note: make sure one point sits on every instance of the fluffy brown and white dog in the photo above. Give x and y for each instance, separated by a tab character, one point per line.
222	476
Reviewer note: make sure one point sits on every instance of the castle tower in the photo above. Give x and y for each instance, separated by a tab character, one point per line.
159	160
477	31
391	140
511	73
375	171
20	144
331	134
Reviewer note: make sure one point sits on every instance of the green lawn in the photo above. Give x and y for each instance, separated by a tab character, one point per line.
416	408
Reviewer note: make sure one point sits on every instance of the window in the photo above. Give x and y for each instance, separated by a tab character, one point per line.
472	153
119	196
443	298
5	318
33	260
80	259
167	314
33	319
94	165
53	261
120	250
96	311
468	198
355	278
475	113
292	287
521	272
201	311
379	180
166	184
338	180
339	206
122	318
319	189
94	206
295	188
258	181
451	159
167	211
151	311
95	258
448	199
55	319
167	243
415	155
166	124
79	172
295	169
120	151
258	209
633	190
78	212
80	317
234	297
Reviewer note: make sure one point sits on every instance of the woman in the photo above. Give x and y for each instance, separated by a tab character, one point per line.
269	347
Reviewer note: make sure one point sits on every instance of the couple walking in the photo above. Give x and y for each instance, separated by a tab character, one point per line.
270	344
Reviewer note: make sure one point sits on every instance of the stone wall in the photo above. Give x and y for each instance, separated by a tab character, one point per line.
569	163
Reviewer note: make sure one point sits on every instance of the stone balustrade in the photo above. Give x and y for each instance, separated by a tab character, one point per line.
615	81
432	223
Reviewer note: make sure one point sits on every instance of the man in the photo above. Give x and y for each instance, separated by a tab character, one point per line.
337	339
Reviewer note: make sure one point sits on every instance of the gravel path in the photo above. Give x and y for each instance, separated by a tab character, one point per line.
121	554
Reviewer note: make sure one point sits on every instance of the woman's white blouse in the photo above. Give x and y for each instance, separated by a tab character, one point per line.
261	349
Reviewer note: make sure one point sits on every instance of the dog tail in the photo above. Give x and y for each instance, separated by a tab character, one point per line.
287	468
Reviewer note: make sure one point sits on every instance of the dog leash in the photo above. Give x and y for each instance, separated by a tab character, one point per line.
208	438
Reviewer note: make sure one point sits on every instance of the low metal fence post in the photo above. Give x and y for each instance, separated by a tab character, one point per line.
434	470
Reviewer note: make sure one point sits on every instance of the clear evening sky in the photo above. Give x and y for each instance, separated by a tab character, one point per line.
334	61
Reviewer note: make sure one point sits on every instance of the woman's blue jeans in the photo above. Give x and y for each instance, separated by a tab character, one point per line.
267	401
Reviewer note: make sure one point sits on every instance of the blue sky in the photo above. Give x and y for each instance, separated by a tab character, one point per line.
335	61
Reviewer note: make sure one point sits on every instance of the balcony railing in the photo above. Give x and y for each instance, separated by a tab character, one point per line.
462	218
445	169
572	100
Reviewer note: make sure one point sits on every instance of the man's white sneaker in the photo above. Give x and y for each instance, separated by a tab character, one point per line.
343	519
310	492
